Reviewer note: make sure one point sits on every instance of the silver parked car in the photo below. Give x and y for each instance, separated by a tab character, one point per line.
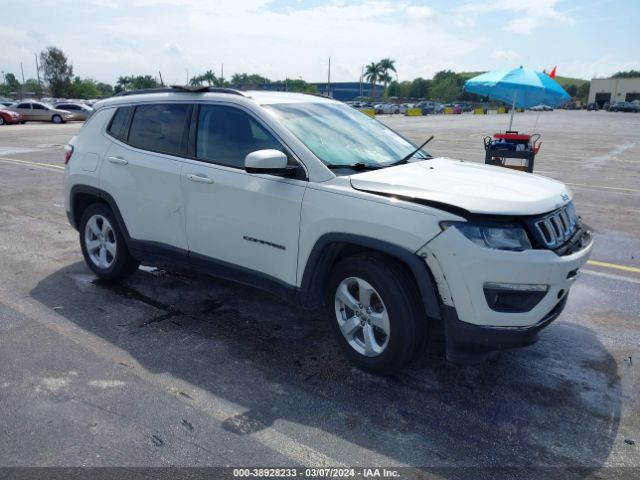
80	111
41	112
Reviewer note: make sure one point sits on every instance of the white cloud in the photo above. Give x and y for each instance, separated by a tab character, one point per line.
420	12
108	38
508	55
145	36
528	14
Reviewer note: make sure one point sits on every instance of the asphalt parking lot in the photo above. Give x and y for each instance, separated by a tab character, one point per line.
176	369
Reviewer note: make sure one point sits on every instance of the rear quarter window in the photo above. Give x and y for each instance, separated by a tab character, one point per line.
118	123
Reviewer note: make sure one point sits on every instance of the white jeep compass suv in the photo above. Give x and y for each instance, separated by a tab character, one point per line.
314	201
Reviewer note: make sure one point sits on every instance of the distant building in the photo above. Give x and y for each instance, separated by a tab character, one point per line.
343	91
612	90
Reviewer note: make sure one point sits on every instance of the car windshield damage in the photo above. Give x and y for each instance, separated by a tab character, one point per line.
344	138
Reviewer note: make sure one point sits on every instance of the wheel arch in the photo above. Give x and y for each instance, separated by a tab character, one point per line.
331	247
82	196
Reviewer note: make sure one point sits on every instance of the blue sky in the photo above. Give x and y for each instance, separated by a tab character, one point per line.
276	38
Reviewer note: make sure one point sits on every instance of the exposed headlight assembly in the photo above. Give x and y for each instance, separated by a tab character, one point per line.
499	237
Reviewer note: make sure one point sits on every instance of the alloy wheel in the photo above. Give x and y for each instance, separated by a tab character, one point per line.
362	316
100	241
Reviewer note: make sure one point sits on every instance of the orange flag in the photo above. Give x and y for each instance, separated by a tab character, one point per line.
552	73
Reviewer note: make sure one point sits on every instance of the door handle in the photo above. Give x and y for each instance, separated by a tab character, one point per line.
199	178
118	160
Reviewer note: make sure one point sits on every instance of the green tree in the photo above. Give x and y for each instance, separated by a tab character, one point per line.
571	89
104	89
299	85
13	85
386	65
583	92
372	74
32	86
135	83
195	81
57	71
446	90
244	80
627	74
209	78
419	88
394	89
446	86
84	88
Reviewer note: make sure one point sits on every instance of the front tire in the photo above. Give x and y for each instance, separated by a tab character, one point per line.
103	245
2	122
373	306
56	119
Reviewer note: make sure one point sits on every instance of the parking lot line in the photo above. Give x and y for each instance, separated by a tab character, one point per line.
626	268
602	186
611	276
33	164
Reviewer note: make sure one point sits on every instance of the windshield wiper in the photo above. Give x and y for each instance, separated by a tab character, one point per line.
356	166
407	157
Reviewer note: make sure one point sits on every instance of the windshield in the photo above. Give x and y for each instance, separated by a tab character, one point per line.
340	135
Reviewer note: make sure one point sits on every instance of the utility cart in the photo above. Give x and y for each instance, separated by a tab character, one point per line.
501	148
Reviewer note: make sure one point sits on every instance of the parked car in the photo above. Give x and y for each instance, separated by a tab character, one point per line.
541	108
9	117
5	103
41	112
623	107
309	199
429	107
466	107
387	108
402	108
592	106
455	108
79	110
569	106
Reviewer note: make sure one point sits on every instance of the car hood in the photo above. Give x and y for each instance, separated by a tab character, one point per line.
474	187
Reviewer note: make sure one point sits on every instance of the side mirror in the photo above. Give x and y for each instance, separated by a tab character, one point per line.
273	162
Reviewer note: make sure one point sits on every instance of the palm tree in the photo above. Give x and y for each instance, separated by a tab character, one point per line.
209	77
386	65
372	74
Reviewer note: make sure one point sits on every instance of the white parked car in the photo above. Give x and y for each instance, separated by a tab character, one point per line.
541	108
387	108
314	201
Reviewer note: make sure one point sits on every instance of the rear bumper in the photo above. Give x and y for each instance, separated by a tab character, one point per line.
469	343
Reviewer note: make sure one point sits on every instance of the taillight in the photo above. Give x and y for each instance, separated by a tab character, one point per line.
68	151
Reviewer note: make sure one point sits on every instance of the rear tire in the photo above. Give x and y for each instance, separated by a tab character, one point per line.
374	309
103	244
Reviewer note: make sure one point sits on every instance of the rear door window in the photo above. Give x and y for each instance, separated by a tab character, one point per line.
160	127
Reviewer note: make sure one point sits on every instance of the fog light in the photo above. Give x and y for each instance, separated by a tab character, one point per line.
514	297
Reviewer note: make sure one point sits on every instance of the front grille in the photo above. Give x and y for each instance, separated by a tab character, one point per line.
557	227
560	231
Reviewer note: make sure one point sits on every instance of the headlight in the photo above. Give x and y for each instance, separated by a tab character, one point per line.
508	237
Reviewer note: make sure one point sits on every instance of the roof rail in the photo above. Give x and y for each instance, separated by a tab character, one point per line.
181	88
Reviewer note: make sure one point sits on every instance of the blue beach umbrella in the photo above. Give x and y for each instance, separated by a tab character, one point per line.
519	87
